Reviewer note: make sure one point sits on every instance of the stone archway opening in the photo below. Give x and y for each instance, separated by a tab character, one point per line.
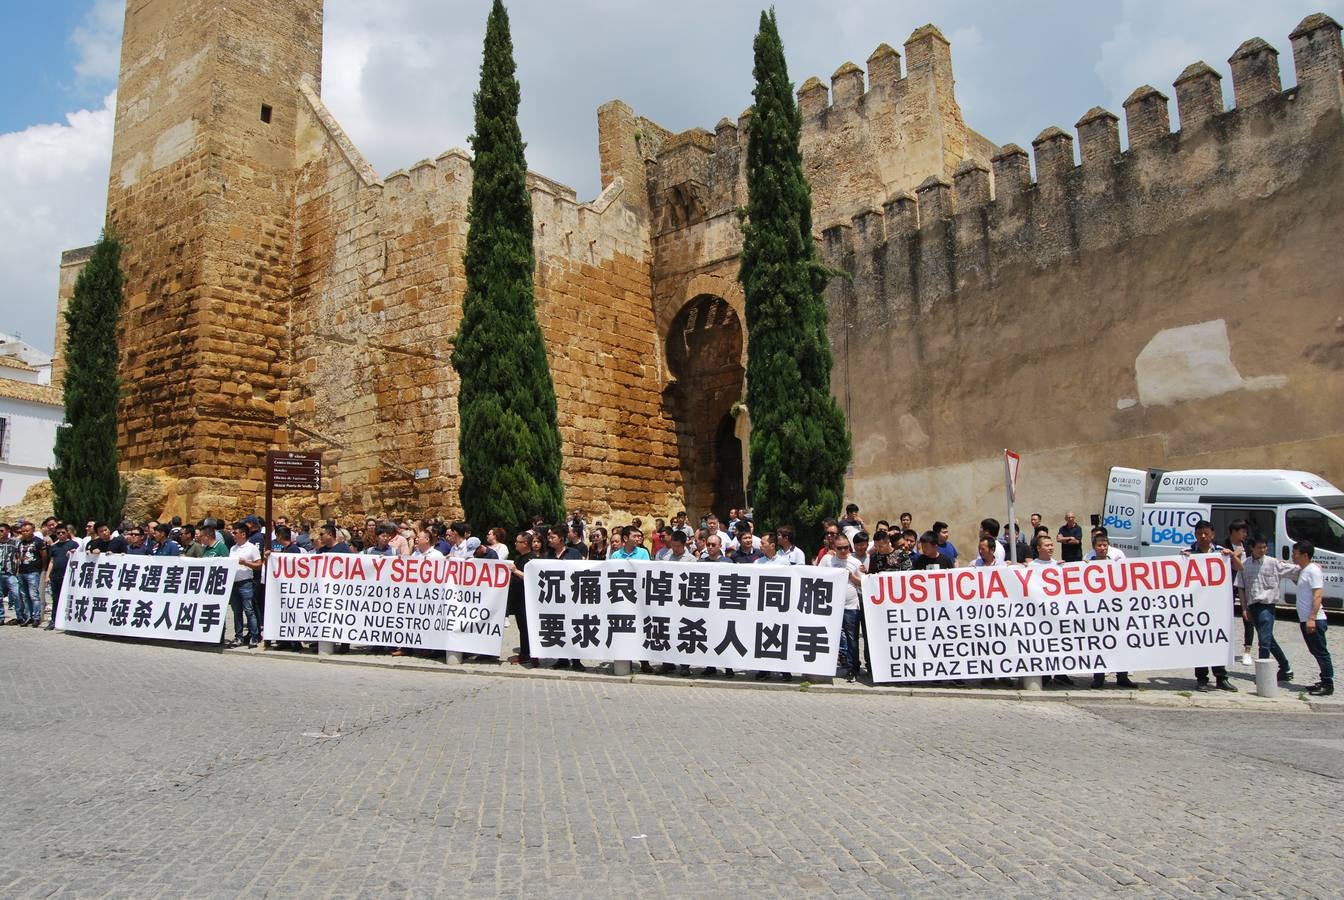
704	360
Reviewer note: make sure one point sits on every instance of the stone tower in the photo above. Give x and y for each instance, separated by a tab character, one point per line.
201	190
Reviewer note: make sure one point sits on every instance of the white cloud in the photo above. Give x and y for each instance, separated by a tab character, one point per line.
1151	43
52	196
97	40
399	76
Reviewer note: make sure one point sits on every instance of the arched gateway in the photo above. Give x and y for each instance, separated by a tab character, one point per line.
704	350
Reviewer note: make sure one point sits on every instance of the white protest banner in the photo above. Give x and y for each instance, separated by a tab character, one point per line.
166	598
1004	621
758	617
387	601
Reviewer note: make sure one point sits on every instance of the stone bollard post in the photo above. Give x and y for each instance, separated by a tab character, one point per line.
621	667
1267	677
326	648
454	659
1031	683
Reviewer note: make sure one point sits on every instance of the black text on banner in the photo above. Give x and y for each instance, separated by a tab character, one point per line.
766	618
166	598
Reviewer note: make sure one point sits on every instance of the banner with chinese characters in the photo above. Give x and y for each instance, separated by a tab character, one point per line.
165	598
756	617
1004	621
387	601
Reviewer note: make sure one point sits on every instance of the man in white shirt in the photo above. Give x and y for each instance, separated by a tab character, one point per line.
246	558
1102	549
769	551
989	528
788	552
985	553
1045	556
424	547
1044	547
676	548
727	543
842	557
1311	616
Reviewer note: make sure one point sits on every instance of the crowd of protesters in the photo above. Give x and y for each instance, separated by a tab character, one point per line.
33	563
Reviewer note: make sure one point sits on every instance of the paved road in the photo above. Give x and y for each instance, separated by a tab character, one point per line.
140	770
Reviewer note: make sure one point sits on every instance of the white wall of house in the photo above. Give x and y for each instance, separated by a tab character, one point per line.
26	446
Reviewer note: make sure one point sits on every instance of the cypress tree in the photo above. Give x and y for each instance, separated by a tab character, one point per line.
85	481
509	442
800	445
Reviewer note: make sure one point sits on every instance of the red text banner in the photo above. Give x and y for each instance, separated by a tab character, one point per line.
1007	621
388	601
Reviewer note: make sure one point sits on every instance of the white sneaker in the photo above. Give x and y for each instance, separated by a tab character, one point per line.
1246	659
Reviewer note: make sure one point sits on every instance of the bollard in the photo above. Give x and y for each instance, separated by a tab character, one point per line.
1267	677
621	667
326	648
454	659
1031	682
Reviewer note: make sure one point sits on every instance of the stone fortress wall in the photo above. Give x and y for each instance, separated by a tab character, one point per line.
1174	304
1177	304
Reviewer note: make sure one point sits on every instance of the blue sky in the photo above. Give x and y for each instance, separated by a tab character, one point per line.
399	75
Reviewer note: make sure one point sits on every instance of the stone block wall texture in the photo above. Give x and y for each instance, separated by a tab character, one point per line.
1176	305
1173	304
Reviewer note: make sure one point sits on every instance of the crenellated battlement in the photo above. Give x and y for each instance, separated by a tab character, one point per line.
955	231
865	135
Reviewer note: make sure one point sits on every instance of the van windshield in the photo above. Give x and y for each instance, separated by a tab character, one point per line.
1308	524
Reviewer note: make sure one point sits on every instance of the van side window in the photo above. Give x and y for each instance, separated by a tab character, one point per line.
1260	520
1314	526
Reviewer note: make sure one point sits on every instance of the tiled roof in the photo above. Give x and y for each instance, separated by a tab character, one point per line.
13	362
33	393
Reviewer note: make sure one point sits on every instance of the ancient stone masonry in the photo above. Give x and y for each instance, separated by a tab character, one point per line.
1173	302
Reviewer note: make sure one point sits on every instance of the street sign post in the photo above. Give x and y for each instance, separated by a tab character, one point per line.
286	471
1011	461
293	470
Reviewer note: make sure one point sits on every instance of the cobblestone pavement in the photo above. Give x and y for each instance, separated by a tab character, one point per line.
140	770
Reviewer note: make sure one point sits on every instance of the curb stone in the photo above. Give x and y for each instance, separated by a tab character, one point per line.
1286	702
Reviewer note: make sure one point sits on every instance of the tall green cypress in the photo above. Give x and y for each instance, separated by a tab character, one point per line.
509	442
85	481
800	445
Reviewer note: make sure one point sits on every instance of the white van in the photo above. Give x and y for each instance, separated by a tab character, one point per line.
1153	513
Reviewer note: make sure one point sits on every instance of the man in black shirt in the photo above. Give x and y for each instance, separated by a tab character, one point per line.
929	557
59	556
1070	539
522	549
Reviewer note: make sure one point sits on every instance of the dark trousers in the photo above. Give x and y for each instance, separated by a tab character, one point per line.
56	580
1202	674
1316	644
518	609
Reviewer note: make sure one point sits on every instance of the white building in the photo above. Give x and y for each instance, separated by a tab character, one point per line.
30	411
35	366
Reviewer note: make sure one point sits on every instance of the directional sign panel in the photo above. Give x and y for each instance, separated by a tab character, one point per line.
294	470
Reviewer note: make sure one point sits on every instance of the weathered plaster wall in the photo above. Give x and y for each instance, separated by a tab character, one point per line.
1175	305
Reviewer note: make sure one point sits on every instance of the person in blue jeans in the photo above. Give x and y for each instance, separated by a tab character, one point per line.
30	561
1311	616
1261	576
842	558
9	579
246	557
